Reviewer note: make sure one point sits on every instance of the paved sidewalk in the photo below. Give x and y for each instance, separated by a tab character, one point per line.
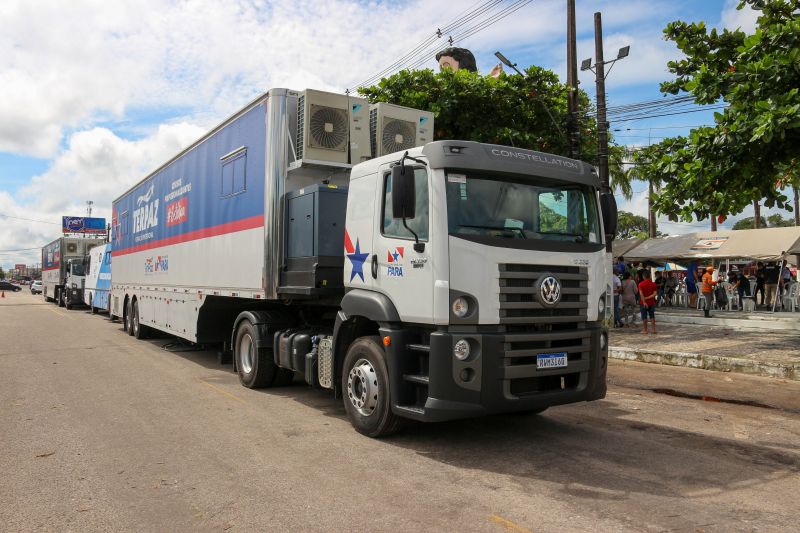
764	353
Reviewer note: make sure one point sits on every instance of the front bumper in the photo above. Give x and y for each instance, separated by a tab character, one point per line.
73	296
499	376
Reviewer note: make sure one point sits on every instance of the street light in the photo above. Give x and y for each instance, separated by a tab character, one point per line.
507	62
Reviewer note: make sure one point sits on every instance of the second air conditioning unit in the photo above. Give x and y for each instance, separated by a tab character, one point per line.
332	128
395	128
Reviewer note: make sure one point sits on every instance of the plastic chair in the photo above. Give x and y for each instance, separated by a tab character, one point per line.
790	298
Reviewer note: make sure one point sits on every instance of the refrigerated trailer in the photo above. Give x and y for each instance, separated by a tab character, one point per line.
451	280
63	269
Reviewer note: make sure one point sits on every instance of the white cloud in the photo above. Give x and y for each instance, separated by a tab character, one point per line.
97	165
744	19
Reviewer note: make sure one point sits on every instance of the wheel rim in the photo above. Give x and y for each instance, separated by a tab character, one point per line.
135	320
246	355
362	387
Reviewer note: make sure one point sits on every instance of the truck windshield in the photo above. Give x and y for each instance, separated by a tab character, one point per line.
521	208
78	270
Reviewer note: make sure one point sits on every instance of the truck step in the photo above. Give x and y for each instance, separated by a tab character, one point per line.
419	347
415	378
410	411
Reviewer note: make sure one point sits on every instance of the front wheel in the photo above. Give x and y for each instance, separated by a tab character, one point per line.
365	386
61	298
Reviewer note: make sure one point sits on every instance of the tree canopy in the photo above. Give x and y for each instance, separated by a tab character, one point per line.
751	150
631	226
772	221
510	110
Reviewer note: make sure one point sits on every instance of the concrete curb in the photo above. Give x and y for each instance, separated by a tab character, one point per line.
709	362
783	324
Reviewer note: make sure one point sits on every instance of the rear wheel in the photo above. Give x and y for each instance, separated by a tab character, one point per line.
255	366
128	322
139	331
365	386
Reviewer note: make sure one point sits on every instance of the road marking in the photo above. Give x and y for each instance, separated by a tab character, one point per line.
508	525
223	392
56	311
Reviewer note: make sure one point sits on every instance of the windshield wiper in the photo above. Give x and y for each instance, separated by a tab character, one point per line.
495	228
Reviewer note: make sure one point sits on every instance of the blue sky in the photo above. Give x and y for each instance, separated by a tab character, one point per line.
93	95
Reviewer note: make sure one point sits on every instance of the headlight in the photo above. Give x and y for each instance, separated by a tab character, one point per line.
461	349
601	305
460	307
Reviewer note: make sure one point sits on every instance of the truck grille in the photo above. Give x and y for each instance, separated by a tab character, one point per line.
534	329
518	303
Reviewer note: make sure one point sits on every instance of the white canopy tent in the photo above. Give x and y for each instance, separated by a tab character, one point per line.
768	244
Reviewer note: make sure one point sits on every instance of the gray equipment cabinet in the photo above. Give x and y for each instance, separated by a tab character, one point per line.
314	247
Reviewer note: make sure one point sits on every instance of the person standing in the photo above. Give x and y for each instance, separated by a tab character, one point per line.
647	299
743	288
691	283
772	274
660	282
617	287
761	276
707	288
628	299
785	281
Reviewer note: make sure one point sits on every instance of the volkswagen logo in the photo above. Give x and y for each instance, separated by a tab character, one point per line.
548	290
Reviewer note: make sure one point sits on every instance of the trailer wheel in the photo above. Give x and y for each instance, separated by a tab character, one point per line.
139	331
365	386
255	366
127	323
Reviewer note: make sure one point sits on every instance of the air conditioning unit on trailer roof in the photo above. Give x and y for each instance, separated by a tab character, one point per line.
332	127
395	128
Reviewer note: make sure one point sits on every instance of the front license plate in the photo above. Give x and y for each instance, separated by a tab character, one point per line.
551	360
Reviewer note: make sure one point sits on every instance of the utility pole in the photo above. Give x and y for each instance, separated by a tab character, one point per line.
573	125
602	122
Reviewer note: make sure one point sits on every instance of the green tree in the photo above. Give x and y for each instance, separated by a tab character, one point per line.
2	273
751	150
772	221
631	226
512	110
749	223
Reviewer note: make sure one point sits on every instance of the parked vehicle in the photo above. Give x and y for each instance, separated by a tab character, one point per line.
36	287
8	286
63	270
98	278
447	280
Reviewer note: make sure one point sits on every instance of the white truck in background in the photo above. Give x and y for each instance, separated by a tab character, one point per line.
445	280
63	269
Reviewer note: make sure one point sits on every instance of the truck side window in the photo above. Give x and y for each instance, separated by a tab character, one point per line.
233	174
393	227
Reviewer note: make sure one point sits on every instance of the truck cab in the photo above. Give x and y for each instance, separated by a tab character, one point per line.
75	281
487	278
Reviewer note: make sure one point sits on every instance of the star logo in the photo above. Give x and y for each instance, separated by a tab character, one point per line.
355	256
393	256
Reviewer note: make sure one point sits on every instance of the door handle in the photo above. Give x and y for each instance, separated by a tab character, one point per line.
374	266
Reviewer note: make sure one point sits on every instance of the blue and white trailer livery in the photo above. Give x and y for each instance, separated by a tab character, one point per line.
452	280
97	291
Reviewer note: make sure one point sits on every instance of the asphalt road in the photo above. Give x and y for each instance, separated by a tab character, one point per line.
99	431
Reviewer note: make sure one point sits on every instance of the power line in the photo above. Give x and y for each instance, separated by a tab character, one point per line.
30	219
485	16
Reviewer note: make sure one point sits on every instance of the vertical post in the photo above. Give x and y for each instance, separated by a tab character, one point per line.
573	125
713	222
602	123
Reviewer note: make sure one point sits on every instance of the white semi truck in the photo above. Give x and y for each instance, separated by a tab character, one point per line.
63	269
449	280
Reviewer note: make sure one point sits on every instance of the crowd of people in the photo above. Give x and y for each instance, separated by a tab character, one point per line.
634	288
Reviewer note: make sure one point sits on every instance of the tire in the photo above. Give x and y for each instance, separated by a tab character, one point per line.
91	305
127	324
365	389
61	302
138	330
255	366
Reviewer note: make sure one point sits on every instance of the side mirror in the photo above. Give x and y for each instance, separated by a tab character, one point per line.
608	207
404	198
